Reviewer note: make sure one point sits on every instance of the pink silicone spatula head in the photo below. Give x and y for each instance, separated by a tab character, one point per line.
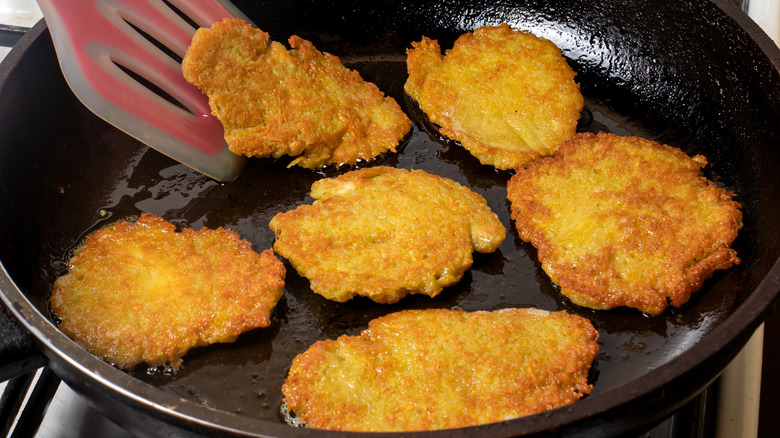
122	59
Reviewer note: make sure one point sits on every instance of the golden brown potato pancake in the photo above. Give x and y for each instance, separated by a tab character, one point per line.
384	233
507	96
299	102
623	221
140	292
438	369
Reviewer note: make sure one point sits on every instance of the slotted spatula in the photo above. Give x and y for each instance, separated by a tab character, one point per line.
122	59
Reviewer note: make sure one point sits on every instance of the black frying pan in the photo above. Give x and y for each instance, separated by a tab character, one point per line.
694	74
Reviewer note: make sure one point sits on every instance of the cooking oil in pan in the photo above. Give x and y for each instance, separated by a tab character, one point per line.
245	377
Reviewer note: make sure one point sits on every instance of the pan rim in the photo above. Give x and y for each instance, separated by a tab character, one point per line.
730	335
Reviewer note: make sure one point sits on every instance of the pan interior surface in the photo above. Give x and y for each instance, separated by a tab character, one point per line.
698	92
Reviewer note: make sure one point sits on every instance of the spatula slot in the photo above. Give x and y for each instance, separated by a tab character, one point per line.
165	49
151	86
182	14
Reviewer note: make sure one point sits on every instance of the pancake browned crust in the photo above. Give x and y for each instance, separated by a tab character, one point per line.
143	293
299	102
623	221
507	96
384	233
437	369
